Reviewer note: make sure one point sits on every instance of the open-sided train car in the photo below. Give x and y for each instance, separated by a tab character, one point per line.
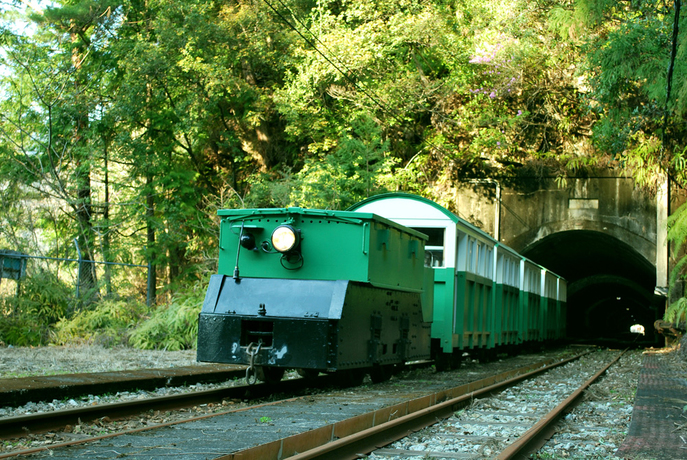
486	296
317	291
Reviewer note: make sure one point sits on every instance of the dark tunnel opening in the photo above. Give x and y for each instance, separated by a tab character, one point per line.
610	286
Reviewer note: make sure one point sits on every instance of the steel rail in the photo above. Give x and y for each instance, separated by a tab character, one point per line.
18	391
11	427
36	450
537	435
350	438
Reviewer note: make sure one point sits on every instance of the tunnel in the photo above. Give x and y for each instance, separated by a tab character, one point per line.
610	286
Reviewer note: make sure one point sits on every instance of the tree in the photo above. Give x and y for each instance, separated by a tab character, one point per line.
50	99
627	61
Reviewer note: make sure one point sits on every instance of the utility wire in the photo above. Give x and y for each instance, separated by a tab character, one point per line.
310	42
346	76
669	77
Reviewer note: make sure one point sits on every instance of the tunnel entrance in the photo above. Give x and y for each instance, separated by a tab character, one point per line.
610	286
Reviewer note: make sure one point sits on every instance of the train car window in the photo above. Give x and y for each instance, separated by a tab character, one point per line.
479	267
532	275
473	256
436	235
489	272
507	270
434	248
461	252
562	290
434	257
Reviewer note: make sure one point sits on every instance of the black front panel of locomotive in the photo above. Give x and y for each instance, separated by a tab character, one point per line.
279	342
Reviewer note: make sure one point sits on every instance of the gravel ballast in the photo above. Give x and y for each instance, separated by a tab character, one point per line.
594	429
612	399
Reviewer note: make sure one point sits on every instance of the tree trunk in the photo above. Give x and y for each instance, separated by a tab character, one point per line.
106	228
150	216
87	273
86	239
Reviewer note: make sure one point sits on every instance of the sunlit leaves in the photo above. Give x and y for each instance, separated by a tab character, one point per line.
627	61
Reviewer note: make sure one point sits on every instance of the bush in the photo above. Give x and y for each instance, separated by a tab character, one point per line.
23	331
107	324
173	326
26	320
677	234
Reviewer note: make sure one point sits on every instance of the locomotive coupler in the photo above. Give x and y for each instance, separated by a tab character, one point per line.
251	372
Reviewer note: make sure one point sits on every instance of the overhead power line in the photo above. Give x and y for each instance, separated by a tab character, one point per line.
337	67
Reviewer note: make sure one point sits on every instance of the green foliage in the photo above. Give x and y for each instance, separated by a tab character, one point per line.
108	324
173	326
352	172
359	166
27	319
45	296
677	234
625	61
23	330
677	311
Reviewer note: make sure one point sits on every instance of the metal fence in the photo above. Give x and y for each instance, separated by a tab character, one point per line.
13	266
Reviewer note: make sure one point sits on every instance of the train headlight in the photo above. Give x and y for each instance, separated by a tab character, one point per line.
285	238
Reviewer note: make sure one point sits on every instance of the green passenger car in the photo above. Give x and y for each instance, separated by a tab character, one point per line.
486	296
507	299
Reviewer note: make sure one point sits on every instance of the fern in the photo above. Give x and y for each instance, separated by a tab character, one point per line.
26	320
677	311
173	326
107	324
23	331
677	234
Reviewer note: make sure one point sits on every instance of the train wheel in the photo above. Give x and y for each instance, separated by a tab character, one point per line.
380	374
270	374
456	358
350	378
513	350
485	355
308	374
442	361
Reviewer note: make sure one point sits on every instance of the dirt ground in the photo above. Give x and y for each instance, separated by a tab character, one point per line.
27	361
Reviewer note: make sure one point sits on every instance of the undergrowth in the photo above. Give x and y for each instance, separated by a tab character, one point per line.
107	324
26	320
173	326
46	313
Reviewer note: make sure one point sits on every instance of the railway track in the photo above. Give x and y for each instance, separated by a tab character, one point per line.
18	391
512	430
506	421
11	427
263	425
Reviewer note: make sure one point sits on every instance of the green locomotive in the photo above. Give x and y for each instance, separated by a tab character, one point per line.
396	278
317	291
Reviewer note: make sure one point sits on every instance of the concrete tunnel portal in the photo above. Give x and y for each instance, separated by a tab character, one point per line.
610	285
